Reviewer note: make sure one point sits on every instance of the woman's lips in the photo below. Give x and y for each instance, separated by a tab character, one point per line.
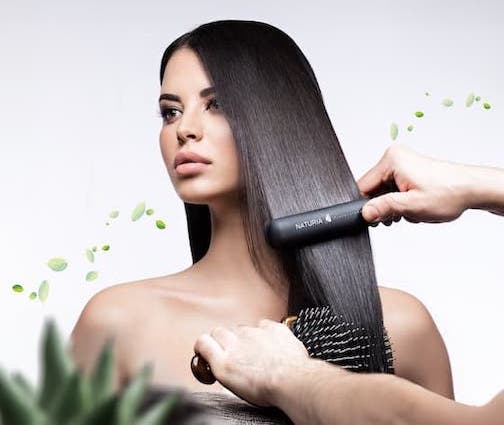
188	168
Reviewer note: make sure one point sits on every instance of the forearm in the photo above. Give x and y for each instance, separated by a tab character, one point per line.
486	189
323	394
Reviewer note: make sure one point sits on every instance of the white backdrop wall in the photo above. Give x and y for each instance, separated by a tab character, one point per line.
79	137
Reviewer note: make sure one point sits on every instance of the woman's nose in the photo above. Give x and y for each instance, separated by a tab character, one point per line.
189	128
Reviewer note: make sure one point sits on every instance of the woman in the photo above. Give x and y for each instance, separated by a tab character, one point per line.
240	99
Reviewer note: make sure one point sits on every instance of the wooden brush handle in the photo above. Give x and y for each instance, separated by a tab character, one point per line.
201	369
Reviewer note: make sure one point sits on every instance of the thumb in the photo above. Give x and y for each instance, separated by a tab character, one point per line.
385	206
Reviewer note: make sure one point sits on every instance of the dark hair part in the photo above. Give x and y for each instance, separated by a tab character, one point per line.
290	162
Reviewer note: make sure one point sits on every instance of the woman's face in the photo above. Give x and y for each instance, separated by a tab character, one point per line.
192	122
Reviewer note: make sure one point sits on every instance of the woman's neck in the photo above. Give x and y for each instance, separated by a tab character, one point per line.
228	262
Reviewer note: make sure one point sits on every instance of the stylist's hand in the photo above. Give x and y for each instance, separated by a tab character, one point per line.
251	361
430	190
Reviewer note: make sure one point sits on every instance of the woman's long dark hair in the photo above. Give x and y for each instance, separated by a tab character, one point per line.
290	162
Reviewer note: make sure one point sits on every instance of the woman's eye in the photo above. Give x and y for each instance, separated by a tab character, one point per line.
213	103
168	113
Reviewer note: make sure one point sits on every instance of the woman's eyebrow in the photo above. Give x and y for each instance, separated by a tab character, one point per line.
175	98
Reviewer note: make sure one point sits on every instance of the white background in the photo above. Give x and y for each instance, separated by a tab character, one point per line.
79	137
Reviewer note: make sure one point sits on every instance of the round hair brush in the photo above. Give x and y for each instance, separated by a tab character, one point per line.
326	336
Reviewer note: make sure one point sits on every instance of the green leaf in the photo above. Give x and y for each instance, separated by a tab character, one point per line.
94	248
90	255
101	380
33	295
394	131
138	211
157	414
43	290
57	264
17	288
15	406
477	98
92	275
114	214
73	399
103	414
410	127
105	247
132	396
150	211
24	385
160	224
447	102
419	114
469	100
487	105
55	363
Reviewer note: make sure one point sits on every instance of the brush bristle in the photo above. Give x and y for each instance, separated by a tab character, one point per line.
328	336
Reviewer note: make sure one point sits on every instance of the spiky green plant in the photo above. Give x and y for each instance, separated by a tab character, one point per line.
67	397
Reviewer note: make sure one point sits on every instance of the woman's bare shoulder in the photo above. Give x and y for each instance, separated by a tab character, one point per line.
420	354
125	301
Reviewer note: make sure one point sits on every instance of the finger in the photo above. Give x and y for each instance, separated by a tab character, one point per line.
224	336
265	323
209	349
386	206
376	176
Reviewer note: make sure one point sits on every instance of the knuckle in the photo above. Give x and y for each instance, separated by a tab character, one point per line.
264	323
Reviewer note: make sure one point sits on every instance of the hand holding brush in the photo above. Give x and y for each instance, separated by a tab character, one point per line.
325	335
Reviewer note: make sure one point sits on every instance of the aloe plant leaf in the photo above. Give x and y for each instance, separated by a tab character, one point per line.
104	414
101	380
15	407
24	385
55	363
157	414
132	397
73	400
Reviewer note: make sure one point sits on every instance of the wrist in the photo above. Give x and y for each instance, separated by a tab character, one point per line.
485	189
298	389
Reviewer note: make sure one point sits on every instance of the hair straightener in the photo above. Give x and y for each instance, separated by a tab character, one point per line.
317	225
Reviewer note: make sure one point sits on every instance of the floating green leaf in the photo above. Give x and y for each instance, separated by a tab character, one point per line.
419	114
94	248
57	264
394	131
487	105
33	295
90	255
105	247
410	127
43	290
150	211
469	100
17	288
477	98
138	211
447	102
160	224
114	214
90	276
